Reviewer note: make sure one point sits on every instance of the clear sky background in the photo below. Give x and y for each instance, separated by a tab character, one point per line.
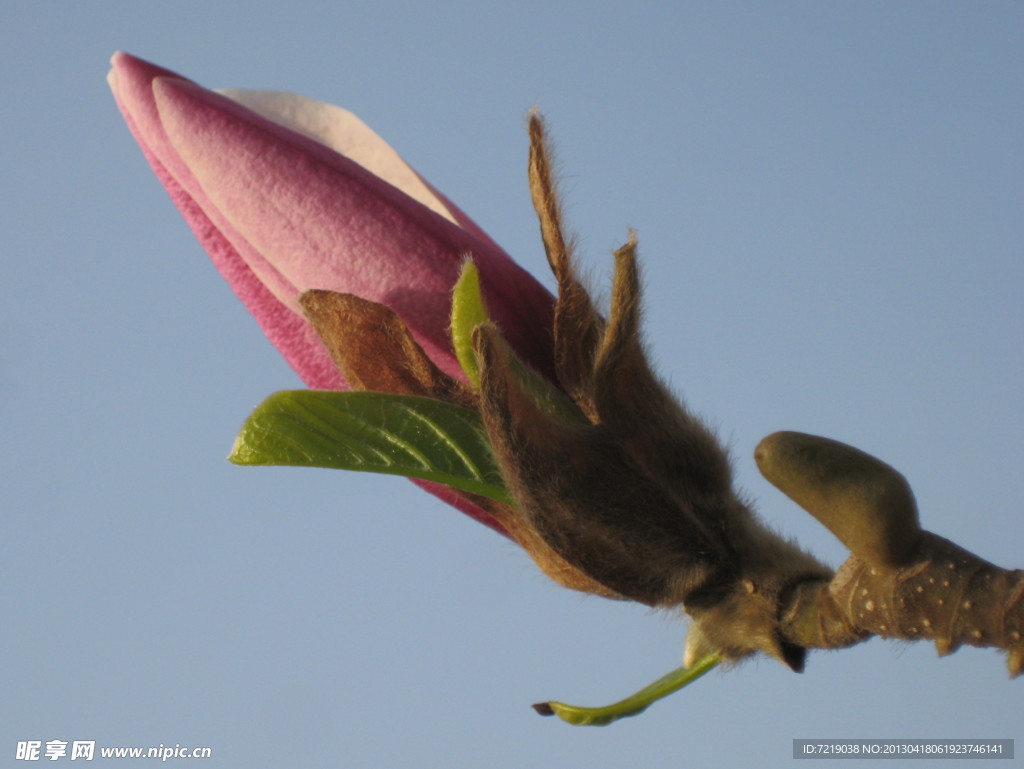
829	203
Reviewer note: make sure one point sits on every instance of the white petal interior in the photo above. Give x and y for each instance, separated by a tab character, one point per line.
344	133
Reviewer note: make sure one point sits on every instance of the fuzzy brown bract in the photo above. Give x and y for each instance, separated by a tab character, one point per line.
621	480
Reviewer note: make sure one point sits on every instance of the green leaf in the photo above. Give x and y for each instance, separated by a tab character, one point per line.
633	705
373	432
468	312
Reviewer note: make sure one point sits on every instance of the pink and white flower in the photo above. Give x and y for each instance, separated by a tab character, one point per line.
288	194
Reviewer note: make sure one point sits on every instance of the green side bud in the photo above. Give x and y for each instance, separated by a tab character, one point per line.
863	501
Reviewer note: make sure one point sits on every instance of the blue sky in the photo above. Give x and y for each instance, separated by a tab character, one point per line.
828	198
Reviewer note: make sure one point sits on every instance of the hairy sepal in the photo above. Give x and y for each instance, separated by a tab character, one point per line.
638	495
374	349
580	492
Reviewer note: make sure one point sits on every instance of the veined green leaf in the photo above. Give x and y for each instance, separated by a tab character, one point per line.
373	432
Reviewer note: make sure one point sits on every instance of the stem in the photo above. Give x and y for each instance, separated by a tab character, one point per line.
944	594
634	704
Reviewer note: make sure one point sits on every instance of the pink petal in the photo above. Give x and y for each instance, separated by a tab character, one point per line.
131	82
344	133
302	216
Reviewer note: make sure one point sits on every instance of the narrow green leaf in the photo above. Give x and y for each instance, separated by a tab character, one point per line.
468	312
633	705
372	432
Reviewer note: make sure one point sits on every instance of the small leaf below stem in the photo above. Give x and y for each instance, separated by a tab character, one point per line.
633	705
373	432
